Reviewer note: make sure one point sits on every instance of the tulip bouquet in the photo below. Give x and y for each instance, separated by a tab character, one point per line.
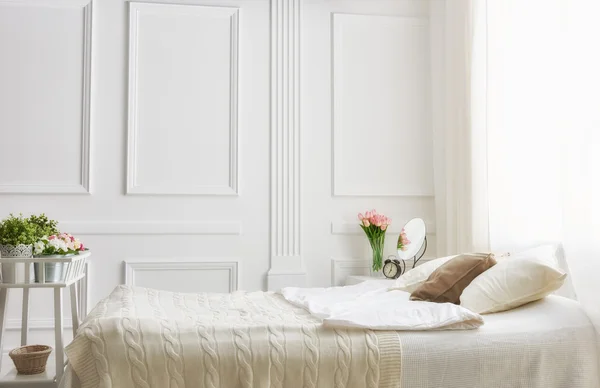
374	225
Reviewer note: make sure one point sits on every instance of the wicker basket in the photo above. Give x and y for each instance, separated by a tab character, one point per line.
30	359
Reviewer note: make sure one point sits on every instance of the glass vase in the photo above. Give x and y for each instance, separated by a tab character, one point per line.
377	247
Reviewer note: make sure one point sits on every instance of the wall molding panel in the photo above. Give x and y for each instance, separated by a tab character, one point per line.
287	267
352	228
153	227
342	268
228	185
205	270
83	186
379	105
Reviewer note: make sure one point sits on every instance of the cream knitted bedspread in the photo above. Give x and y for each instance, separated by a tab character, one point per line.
140	337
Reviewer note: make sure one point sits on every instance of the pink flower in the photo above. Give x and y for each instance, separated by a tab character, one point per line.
51	237
360	216
72	238
81	248
366	222
368	215
383	227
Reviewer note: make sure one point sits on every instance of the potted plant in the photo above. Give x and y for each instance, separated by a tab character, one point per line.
17	235
43	225
51	247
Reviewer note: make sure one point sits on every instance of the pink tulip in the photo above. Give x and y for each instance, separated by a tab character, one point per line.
366	222
360	216
383	227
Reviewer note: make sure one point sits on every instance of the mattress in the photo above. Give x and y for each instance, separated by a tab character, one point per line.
546	344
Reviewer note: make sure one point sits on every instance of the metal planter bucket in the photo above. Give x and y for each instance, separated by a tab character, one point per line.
52	272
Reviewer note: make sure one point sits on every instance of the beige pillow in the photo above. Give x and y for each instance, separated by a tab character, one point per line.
415	277
446	284
513	282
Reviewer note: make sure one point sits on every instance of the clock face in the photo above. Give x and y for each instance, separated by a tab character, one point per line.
390	270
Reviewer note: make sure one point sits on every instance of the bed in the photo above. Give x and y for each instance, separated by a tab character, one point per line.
140	337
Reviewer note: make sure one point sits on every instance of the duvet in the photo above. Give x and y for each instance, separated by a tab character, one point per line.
139	337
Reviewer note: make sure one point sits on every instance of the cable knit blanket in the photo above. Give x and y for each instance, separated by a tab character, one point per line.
139	337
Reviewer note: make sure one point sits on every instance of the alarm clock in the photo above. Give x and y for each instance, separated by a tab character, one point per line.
392	269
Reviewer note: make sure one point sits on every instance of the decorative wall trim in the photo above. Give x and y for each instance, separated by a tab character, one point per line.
83	187
133	129
153	227
342	268
48	4
339	187
136	265
286	259
349	228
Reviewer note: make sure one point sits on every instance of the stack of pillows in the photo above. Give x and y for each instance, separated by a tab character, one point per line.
484	283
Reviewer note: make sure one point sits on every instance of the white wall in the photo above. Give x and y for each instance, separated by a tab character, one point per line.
166	135
366	127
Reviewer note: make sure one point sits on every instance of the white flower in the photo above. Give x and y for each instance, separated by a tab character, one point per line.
39	247
58	245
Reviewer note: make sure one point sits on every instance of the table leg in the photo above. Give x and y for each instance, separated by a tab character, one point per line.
3	298
74	308
58	333
25	317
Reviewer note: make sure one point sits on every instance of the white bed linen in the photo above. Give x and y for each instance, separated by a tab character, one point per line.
550	343
368	305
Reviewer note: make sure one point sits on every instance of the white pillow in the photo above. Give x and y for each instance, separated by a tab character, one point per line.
543	252
413	278
515	280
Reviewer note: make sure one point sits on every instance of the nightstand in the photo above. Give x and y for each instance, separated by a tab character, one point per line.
73	272
355	279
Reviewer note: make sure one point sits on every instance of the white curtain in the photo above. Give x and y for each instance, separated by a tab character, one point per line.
460	184
522	159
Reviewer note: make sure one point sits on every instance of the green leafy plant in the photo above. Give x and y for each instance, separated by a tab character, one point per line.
43	225
15	230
